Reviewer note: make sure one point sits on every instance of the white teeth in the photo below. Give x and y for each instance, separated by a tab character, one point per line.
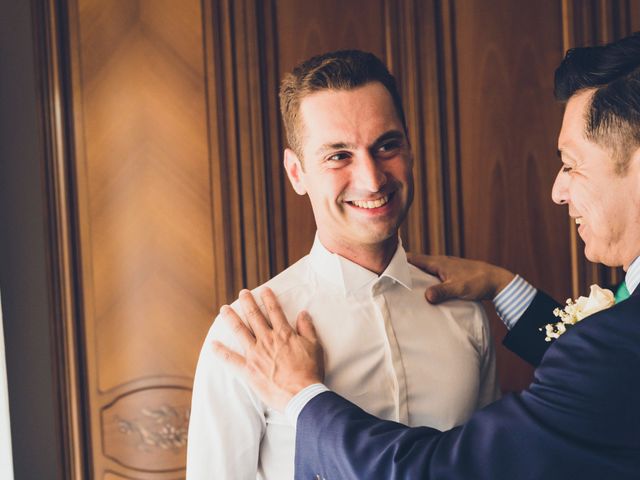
579	221
371	203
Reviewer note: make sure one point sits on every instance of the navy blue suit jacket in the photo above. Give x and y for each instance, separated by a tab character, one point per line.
579	419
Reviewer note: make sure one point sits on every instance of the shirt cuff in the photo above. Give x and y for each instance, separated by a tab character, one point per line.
298	402
512	301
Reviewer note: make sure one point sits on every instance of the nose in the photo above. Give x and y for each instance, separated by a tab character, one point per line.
559	191
368	174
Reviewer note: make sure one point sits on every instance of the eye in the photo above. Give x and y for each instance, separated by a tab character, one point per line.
566	169
389	147
338	157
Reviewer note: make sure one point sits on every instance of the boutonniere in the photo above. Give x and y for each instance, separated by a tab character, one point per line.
576	310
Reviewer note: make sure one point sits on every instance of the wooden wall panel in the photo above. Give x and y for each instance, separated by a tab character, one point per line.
145	236
508	126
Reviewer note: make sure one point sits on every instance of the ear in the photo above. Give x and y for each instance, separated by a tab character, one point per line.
293	166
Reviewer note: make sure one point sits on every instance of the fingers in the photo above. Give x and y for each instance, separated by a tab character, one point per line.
240	330
276	315
305	327
429	263
257	321
229	356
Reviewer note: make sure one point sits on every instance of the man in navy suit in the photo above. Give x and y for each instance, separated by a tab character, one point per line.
580	418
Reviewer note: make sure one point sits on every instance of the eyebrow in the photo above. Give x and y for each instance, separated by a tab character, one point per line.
390	135
335	146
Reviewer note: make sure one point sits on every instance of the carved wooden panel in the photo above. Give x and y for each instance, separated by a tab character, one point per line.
141	427
145	225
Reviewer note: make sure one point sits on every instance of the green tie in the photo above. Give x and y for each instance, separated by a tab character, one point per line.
622	293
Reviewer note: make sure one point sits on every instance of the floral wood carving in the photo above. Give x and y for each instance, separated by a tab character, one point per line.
164	428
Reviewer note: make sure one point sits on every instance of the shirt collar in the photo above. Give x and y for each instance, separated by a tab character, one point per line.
632	279
349	276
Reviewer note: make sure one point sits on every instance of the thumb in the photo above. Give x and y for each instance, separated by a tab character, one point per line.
305	327
440	293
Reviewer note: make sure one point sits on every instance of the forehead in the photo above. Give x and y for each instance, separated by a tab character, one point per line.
355	116
574	120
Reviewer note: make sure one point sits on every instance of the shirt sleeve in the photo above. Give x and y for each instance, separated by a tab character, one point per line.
297	403
512	301
227	420
489	387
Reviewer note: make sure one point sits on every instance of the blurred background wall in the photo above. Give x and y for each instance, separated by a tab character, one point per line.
142	187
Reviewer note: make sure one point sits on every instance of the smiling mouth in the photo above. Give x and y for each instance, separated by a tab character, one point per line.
578	220
371	204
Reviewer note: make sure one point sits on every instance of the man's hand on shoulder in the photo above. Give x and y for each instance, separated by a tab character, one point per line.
461	278
279	361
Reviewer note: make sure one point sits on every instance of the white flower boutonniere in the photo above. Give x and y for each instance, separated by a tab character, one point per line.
576	310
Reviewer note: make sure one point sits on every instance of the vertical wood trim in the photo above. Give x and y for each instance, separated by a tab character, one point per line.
430	134
226	255
244	140
276	205
423	226
605	21
450	127
424	65
568	33
52	96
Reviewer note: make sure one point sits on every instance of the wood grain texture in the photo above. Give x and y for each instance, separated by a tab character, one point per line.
506	54
144	204
62	257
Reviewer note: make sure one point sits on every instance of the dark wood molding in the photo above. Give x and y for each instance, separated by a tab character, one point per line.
421	53
244	138
53	95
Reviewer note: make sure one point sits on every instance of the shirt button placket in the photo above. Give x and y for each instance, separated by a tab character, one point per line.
396	367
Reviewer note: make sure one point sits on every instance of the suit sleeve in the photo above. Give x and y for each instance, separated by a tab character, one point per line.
525	339
578	419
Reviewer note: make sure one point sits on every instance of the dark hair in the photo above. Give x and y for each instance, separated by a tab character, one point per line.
340	70
613	71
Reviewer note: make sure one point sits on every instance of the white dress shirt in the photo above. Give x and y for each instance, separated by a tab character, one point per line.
386	349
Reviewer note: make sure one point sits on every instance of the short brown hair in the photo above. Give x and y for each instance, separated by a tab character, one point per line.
340	70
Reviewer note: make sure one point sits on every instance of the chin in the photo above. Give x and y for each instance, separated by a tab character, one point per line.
609	261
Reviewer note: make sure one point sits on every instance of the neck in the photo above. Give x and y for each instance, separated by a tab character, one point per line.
374	257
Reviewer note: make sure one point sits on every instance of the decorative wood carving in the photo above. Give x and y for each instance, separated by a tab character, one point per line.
146	430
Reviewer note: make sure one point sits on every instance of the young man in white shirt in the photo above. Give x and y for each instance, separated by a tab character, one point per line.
386	349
